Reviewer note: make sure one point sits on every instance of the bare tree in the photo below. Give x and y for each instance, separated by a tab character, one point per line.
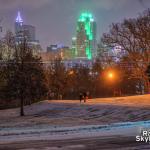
133	35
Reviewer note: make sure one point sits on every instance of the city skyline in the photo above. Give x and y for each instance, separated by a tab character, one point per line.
57	23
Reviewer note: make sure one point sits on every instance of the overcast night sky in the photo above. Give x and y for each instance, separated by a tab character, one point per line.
55	20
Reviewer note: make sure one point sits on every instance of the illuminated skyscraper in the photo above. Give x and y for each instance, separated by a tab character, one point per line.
86	37
27	32
22	30
19	27
18	22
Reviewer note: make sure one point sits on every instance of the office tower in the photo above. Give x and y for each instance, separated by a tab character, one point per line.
59	51
24	31
19	27
86	37
18	23
29	32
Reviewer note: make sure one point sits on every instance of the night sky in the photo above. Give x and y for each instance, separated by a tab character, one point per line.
55	20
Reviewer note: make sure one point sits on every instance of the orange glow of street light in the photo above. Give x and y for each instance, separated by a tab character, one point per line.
71	72
110	75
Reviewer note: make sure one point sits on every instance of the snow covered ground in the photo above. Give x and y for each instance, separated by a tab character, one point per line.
55	120
9	135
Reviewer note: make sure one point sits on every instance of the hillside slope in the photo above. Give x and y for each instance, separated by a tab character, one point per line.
71	113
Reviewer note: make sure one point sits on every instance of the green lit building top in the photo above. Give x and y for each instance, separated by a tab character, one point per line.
86	37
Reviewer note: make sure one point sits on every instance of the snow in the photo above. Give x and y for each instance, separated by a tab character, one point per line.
53	133
68	119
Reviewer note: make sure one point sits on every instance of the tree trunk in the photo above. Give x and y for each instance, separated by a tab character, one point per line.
22	107
22	103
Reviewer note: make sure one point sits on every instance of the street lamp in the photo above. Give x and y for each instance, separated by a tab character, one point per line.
111	80
110	75
71	72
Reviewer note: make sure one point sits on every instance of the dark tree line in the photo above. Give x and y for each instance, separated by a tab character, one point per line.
70	82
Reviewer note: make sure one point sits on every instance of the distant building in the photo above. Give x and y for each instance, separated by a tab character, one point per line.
18	23
22	30
63	52
53	48
78	63
49	58
19	27
26	31
84	45
29	32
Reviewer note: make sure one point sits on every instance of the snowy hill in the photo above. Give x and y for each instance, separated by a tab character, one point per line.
68	119
71	112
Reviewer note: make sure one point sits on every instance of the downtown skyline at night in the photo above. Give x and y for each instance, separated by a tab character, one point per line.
74	74
55	20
